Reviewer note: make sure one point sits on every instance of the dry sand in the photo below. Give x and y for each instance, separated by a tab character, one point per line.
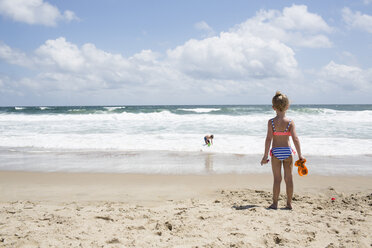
124	210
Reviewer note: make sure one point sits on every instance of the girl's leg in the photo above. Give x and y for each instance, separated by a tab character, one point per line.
288	166
276	166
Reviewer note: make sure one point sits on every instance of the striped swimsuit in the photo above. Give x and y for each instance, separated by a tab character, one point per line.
281	153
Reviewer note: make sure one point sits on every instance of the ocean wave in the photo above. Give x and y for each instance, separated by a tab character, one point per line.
113	108
76	110
200	110
296	110
348	125
183	142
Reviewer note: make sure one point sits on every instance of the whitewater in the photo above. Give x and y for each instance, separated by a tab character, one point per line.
327	133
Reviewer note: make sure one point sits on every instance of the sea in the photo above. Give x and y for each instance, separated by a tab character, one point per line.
335	139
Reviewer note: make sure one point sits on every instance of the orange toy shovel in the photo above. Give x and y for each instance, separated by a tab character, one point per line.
302	169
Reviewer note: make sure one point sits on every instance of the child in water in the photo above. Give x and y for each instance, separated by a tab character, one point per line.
278	131
208	139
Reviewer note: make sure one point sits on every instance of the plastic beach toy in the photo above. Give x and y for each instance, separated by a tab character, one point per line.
302	169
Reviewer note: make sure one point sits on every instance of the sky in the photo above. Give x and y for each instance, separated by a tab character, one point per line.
119	52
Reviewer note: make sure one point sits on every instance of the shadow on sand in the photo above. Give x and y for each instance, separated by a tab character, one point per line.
244	207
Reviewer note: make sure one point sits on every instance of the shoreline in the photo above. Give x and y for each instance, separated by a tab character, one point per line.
202	162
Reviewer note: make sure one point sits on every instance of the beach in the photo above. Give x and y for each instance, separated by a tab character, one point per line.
141	176
153	210
135	124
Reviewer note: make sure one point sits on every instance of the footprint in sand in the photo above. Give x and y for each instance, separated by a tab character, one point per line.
104	218
169	226
272	239
113	241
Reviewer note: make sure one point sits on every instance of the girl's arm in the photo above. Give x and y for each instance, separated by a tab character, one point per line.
269	137
296	141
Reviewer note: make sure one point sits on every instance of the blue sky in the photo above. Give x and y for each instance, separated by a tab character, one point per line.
184	52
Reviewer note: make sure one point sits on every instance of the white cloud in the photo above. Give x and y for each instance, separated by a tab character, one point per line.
366	2
34	12
256	49
228	62
293	26
86	67
61	53
357	20
63	65
68	15
251	57
297	17
203	26
14	57
230	56
335	76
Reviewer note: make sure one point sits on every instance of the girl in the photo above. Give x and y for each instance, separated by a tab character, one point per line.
208	139
278	131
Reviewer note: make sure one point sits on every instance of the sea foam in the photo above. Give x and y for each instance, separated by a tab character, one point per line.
323	131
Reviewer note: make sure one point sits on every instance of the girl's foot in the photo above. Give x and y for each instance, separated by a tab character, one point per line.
273	206
289	207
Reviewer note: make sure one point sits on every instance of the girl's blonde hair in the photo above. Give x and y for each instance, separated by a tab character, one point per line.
280	101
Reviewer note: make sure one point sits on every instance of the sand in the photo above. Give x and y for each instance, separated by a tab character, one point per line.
128	210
